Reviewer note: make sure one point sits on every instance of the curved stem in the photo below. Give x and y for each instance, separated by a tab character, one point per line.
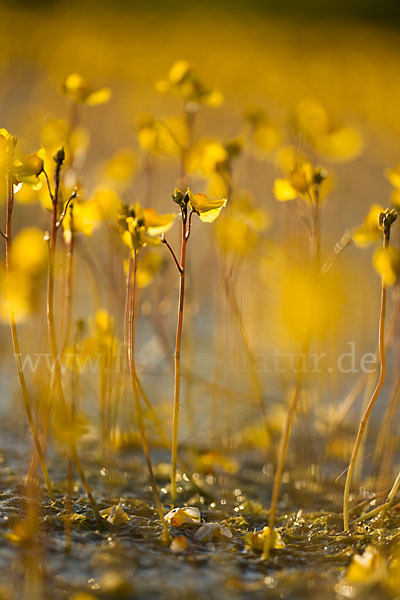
365	417
283	447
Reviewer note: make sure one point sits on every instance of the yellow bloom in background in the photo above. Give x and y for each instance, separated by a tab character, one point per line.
155	223
102	206
343	144
56	133
296	185
29	252
207	209
301	178
15	296
152	261
100	341
369	232
336	142
167	136
394	177
185	83
206	157
121	167
386	262
238	230
266	136
81	91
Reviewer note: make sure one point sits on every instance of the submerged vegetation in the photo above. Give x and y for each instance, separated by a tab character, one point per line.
251	435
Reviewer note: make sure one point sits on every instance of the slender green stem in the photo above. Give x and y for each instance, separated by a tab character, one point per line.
15	343
177	359
134	381
368	410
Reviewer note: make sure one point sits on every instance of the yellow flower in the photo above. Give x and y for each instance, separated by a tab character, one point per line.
81	91
29	168
239	229
142	226
208	210
369	232
386	262
162	136
184	82
298	183
394	177
337	142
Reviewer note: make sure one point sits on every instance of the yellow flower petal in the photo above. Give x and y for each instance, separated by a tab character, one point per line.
368	568
156	223
201	203
342	144
101	96
178	71
387	264
210	215
394	176
284	191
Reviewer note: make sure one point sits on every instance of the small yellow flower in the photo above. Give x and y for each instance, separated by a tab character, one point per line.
81	91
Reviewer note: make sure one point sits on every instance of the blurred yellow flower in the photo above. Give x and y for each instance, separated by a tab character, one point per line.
334	141
81	91
386	262
297	184
121	166
239	229
369	232
184	82
150	263
367	568
394	177
29	251
167	136
88	215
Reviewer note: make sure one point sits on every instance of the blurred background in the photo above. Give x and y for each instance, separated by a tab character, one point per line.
331	65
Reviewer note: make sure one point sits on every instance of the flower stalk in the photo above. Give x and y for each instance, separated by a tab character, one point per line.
386	220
